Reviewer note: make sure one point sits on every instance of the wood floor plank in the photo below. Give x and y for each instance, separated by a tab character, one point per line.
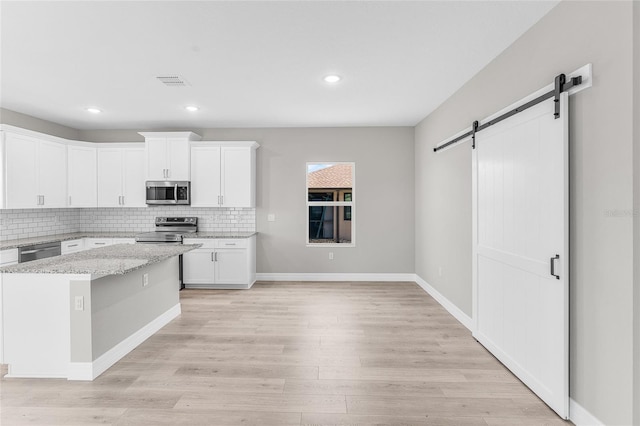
361	387
380	373
177	417
262	371
18	416
320	419
264	402
432	406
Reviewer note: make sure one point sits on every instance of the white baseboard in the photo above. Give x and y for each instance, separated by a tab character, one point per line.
450	307
91	370
383	277
581	417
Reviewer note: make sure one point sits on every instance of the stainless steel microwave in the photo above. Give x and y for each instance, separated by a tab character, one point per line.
168	192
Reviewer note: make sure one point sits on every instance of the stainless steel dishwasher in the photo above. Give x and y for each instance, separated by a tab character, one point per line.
38	251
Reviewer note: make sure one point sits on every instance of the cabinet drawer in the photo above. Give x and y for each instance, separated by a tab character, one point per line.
8	257
207	243
72	246
232	243
91	243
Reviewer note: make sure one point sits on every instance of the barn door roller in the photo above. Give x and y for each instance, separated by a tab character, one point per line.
560	85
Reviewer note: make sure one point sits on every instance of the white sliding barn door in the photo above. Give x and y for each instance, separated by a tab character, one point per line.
520	202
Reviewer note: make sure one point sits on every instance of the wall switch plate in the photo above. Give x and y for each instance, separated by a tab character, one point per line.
330	255
271	217
79	302
145	280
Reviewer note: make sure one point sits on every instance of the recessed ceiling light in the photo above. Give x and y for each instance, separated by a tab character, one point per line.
332	78
94	110
191	108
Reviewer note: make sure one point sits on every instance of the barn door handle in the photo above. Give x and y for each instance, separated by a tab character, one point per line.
552	262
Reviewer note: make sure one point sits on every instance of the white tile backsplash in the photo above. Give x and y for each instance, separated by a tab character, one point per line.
15	224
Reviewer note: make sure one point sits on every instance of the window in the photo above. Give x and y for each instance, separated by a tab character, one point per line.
330	206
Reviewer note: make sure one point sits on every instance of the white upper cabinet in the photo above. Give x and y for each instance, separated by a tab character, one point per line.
121	177
36	172
238	177
205	176
82	169
168	155
223	174
133	189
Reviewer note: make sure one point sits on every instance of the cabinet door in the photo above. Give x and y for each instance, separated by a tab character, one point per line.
198	267
205	176
52	174
133	178
82	176
237	186
178	159
156	153
231	266
22	177
109	177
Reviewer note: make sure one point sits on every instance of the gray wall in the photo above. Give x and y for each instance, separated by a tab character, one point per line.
120	305
571	35
37	125
384	195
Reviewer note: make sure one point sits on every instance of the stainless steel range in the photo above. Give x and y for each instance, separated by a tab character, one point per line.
169	230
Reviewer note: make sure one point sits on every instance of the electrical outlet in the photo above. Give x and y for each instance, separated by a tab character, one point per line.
79	303
330	255
271	217
145	280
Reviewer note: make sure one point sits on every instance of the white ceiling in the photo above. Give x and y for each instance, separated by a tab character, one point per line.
249	64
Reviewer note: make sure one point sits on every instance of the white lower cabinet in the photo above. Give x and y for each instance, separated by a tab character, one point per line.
91	243
72	246
220	264
8	257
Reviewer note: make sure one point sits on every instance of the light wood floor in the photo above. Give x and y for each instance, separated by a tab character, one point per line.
293	354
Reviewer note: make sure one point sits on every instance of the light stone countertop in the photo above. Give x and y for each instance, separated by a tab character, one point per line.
117	259
220	235
5	245
22	242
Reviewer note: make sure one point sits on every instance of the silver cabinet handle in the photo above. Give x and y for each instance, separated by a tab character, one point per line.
99	244
175	193
216	256
43	200
212	257
222	200
123	202
72	245
229	244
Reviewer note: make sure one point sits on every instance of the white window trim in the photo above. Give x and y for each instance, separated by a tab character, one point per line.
351	204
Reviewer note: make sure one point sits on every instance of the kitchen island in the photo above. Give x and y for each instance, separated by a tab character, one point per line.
74	316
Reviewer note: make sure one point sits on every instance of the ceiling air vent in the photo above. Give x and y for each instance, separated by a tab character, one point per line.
173	80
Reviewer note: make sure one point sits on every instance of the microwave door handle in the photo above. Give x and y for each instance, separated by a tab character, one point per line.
175	193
